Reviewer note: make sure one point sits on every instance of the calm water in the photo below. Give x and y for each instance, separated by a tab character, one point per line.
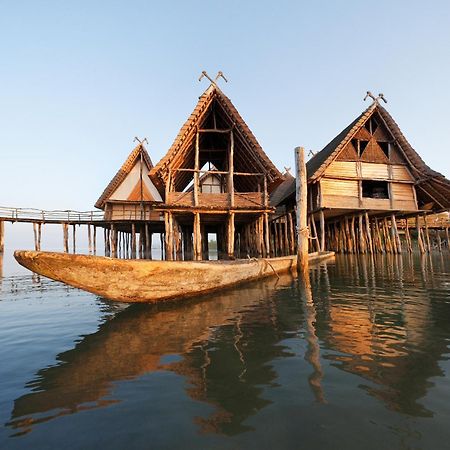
358	361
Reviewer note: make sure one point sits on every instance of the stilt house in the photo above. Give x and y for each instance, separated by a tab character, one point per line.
368	172
131	192
231	201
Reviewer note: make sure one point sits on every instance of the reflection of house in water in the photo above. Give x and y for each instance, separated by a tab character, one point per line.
382	331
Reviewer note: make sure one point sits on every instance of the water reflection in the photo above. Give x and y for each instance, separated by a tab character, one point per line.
383	319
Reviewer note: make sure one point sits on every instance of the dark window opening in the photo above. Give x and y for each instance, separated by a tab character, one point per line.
371	125
362	146
385	147
375	189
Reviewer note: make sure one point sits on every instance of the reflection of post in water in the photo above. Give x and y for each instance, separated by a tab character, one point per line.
1	267
313	352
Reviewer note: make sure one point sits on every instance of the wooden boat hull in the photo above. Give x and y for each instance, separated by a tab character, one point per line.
136	281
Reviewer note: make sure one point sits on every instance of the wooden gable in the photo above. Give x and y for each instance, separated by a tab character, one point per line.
213	119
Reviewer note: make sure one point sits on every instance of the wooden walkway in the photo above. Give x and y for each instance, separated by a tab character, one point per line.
32	215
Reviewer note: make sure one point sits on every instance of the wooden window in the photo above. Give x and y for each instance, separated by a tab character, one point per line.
375	189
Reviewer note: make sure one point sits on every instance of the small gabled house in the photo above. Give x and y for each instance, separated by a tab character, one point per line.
370	166
131	193
368	172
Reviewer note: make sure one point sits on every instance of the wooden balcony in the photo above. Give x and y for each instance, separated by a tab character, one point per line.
242	200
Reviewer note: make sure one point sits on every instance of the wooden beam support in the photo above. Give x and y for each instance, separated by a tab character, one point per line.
231	170
196	167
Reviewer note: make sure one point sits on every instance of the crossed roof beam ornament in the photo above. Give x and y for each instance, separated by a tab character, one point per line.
220	74
375	99
141	141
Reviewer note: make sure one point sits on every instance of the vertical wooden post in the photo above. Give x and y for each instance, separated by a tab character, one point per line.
74	238
197	238
266	234
231	171
322	230
35	236
65	227
396	234
362	242
161	242
419	236
196	167
168	235
369	233
427	233
168	186
133	240
89	239
95	240
439	241
266	195
301	196
2	236
148	242
408	237
230	236
113	241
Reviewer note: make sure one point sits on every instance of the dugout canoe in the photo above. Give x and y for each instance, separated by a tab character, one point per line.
137	281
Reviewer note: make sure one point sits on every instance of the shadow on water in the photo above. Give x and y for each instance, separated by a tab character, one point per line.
384	319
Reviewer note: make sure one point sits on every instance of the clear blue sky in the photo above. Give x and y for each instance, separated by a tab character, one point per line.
80	79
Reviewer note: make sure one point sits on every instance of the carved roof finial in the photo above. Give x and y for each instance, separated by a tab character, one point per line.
141	141
214	82
375	99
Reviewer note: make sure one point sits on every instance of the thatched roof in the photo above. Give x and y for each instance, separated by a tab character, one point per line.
248	154
431	185
122	173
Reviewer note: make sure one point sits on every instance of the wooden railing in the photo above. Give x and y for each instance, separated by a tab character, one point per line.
39	215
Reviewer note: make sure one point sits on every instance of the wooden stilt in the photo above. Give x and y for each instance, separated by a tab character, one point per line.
447	238
95	240
419	236
36	245
316	238
439	241
230	236
427	233
162	247
197	238
396	234
267	235
362	242
74	238
89	239
168	222
105	240
133	241
368	233
2	236
408	237
322	230
301	196
148	242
